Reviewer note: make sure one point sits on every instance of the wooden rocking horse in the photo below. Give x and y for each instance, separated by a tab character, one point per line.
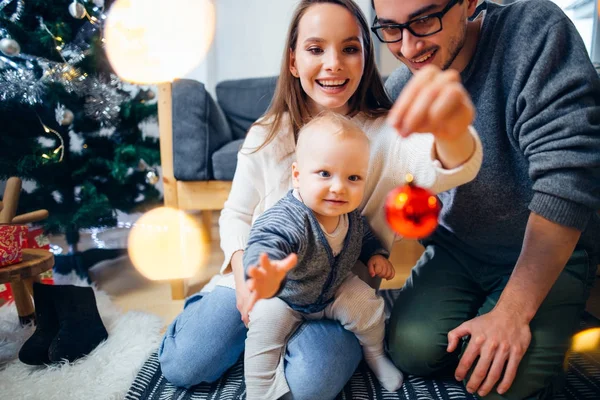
35	261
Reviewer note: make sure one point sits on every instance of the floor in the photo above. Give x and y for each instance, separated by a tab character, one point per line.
130	290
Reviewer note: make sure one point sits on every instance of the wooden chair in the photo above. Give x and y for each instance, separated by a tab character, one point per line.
200	136
204	196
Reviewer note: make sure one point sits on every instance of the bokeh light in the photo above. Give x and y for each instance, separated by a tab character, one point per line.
166	244
585	341
154	41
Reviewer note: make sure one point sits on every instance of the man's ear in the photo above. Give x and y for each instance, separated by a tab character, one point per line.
292	66
472	5
295	175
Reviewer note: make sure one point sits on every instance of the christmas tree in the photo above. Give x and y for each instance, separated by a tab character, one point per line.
68	124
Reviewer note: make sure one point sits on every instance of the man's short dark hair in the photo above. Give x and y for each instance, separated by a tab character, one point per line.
373	3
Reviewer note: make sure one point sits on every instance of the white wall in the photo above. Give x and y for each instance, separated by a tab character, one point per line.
249	39
250	36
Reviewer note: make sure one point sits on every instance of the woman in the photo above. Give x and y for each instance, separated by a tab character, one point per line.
328	63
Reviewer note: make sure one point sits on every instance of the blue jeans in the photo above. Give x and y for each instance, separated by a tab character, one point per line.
207	338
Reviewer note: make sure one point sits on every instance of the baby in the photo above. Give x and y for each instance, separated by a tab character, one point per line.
318	227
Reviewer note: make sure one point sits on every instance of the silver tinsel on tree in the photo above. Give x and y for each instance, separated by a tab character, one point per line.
27	81
18	11
103	101
69	125
21	84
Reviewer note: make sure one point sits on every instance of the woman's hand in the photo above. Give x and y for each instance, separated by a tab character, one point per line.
242	294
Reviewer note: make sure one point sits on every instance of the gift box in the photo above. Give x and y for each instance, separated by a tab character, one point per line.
12	240
47	278
36	239
6	294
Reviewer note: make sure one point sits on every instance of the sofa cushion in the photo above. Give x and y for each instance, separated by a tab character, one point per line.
199	128
244	101
224	160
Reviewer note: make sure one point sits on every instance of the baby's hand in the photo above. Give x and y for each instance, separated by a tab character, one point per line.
381	267
265	279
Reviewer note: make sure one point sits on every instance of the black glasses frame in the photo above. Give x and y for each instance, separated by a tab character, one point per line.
439	15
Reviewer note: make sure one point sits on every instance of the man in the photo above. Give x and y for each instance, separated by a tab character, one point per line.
510	266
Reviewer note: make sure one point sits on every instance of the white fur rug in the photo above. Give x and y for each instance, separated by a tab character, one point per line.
105	374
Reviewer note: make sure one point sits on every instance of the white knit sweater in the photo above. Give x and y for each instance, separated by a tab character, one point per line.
264	177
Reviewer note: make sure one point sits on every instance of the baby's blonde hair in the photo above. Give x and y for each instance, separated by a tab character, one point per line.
343	128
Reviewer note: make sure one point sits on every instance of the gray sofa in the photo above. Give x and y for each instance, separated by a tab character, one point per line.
208	133
199	140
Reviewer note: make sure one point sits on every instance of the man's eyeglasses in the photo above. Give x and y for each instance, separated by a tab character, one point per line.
423	26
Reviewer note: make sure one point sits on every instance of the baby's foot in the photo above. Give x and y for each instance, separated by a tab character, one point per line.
386	372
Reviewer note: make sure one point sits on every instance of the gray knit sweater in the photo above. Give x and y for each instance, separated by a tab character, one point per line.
291	227
537	98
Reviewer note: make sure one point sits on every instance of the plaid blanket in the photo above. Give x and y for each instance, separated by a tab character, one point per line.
583	380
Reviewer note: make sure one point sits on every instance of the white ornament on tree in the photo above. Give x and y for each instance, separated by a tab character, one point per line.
10	47
57	196
67	118
63	115
151	173
77	10
76	142
46	142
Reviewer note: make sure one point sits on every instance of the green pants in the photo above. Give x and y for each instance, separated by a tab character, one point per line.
448	287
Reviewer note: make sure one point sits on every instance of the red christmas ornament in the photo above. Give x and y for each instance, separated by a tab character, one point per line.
412	211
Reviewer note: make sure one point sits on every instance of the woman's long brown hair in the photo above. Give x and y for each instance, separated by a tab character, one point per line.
370	96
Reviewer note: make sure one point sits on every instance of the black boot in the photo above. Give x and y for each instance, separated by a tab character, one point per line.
80	327
35	349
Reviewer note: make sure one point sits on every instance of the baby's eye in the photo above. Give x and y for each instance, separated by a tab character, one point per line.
354	178
324	174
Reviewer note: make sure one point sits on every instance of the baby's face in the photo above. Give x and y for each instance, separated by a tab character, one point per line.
330	174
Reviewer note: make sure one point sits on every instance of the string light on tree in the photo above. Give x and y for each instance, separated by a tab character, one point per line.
60	150
160	41
412	211
59	41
